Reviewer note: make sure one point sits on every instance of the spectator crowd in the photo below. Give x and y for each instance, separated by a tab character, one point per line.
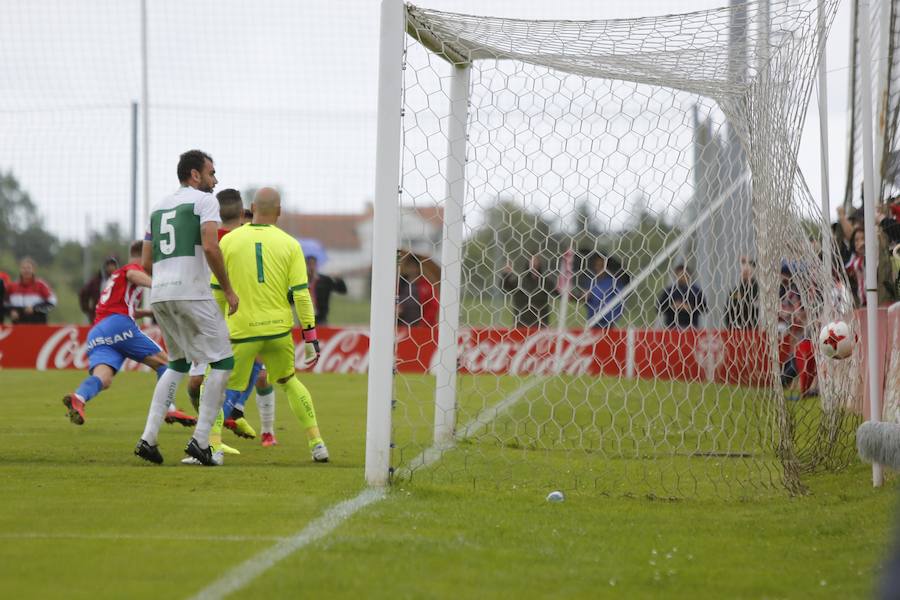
532	292
27	299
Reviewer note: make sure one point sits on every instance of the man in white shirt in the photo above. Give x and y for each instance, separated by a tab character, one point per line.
181	247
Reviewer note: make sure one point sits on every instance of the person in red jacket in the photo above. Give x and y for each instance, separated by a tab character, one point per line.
29	298
428	301
4	288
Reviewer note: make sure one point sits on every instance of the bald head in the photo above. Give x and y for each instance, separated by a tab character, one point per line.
266	206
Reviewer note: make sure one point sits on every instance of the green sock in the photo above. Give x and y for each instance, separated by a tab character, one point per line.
301	404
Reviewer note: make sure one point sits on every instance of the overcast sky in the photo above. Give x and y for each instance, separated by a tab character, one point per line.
279	91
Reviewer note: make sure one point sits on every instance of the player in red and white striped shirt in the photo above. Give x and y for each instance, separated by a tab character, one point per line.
115	336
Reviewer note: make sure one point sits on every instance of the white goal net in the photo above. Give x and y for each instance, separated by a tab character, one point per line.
610	272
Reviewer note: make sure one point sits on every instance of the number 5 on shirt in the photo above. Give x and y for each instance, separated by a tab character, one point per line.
167	232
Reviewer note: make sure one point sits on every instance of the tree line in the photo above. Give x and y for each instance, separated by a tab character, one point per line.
60	262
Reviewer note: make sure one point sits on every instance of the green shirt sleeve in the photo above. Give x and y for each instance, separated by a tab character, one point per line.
300	289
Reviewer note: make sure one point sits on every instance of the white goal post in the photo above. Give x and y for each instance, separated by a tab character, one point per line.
647	147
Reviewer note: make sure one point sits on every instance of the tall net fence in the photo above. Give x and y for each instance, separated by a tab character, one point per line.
641	278
890	152
884	33
263	87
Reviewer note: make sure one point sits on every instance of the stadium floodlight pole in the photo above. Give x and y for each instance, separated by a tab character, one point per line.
145	105
451	259
851	101
382	319
134	170
823	146
86	258
879	53
865	57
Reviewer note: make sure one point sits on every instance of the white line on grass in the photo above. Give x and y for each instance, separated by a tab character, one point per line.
38	535
256	565
431	455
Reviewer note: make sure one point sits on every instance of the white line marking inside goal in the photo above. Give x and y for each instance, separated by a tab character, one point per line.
255	566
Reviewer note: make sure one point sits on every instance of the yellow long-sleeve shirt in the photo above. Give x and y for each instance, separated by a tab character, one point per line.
266	267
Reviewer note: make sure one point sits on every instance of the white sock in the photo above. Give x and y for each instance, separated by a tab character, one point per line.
211	400
171	407
163	394
266	405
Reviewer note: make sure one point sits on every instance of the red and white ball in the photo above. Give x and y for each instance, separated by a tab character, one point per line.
836	340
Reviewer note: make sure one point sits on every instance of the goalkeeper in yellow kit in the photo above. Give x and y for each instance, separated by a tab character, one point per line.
266	266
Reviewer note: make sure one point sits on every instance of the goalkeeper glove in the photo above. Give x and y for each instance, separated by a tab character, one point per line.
311	346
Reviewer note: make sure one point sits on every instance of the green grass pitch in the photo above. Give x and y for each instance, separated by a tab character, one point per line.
81	517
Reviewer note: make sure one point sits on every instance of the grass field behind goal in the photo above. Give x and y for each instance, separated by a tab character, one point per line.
81	517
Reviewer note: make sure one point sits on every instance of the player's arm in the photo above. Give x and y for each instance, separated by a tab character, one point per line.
303	304
147	255
209	238
299	291
218	294
138	277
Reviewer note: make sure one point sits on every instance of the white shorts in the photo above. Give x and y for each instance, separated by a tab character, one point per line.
198	369
193	329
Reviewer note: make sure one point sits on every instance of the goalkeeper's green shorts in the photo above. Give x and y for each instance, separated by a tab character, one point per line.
277	353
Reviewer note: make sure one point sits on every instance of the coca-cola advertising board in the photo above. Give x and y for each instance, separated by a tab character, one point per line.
736	357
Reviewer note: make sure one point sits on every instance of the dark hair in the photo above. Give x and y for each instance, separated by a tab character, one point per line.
614	267
248	214
111	260
231	206
136	248
190	160
593	258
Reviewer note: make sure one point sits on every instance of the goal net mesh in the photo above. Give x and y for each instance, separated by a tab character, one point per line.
643	276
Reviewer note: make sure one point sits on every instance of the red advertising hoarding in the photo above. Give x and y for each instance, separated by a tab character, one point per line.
722	356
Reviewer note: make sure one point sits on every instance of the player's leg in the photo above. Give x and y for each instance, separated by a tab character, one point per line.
104	360
173	414
209	344
167	384
150	354
195	383
278	356
195	388
265	402
99	379
243	364
234	406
